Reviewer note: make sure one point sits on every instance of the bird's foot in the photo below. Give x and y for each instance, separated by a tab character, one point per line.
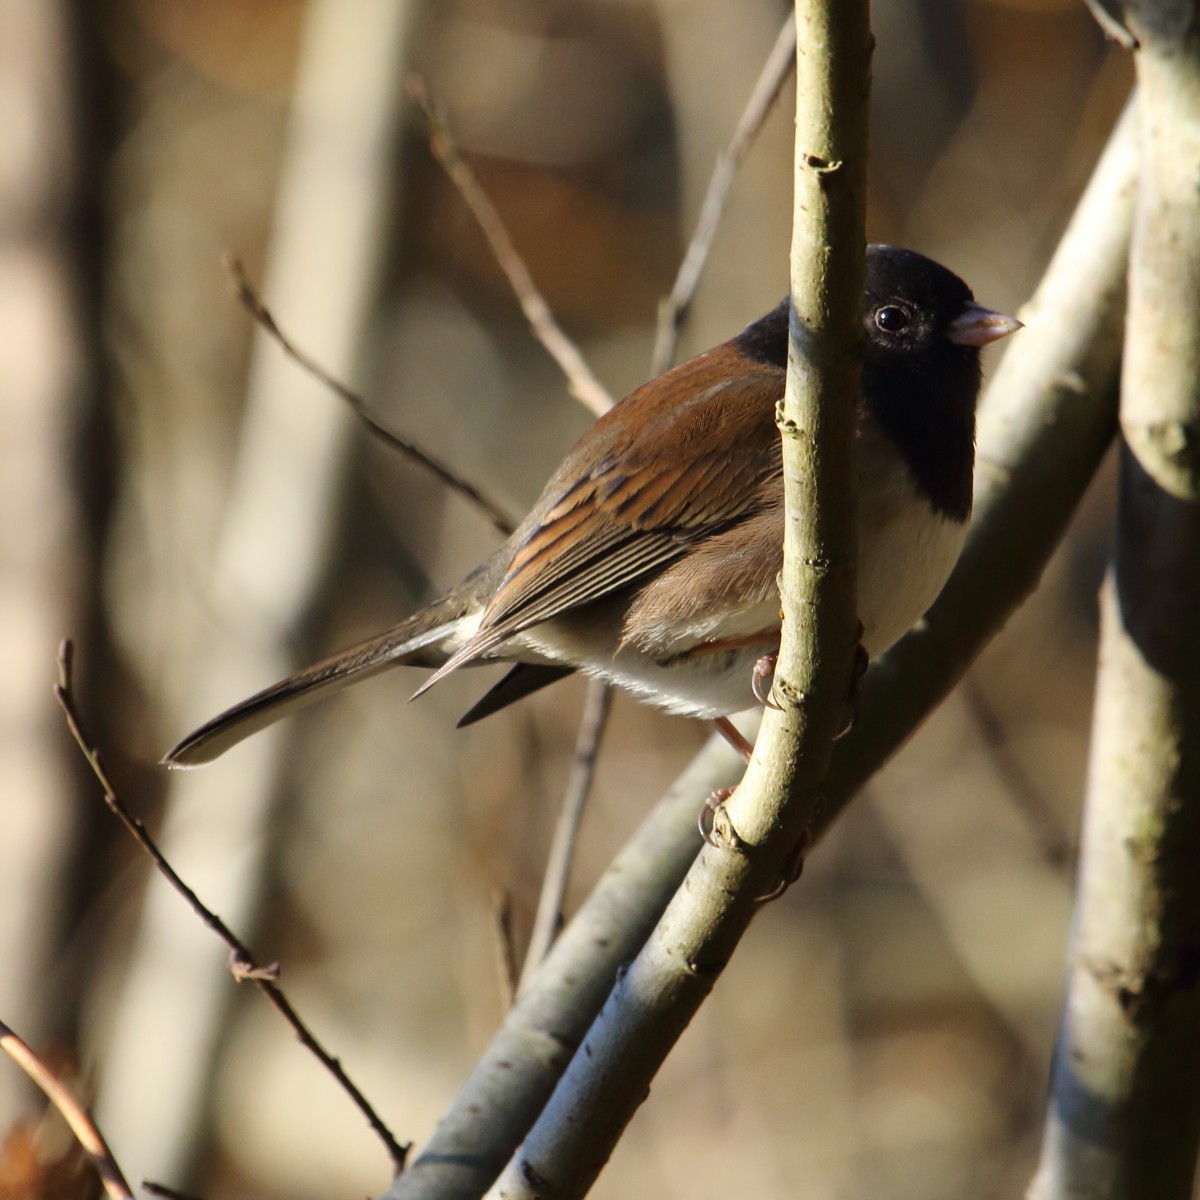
793	868
762	678
862	660
715	827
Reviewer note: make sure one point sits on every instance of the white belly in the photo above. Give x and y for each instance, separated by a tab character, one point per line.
906	553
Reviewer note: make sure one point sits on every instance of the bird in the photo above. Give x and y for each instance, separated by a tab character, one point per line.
650	558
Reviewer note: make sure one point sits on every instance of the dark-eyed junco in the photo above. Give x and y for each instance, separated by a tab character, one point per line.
651	556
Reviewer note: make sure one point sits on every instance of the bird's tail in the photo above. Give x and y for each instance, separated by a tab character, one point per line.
427	638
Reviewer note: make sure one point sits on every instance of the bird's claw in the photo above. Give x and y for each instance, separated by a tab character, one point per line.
715	827
793	868
862	660
762	678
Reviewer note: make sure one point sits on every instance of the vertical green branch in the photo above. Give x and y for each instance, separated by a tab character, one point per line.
655	998
1125	1108
817	422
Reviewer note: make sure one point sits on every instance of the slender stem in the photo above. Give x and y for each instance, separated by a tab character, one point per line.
583	384
242	963
653	1001
86	1132
265	320
566	830
674	308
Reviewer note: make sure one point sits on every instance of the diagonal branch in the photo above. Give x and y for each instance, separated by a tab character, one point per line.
242	963
86	1132
265	320
674	308
583	384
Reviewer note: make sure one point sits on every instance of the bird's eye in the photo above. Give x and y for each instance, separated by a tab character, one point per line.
891	318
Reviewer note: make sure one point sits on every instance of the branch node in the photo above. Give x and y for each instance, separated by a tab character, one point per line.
785	424
823	167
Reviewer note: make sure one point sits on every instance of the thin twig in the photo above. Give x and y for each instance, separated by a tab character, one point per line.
505	947
243	964
75	1115
581	381
583	384
671	312
263	317
549	916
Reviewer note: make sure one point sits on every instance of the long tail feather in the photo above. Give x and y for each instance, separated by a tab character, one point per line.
414	641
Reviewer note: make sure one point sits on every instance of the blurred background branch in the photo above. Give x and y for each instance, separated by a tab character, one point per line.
1124	1116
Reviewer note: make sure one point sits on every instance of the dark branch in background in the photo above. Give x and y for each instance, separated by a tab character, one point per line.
584	385
1048	418
506	949
674	309
76	1116
243	964
267	323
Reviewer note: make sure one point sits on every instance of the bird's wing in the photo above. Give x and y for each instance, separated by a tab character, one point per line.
691	470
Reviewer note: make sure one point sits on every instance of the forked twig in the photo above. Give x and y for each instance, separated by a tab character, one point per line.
581	381
87	1134
778	66
242	962
263	317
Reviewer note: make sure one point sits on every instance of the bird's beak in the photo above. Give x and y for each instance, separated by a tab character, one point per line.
979	326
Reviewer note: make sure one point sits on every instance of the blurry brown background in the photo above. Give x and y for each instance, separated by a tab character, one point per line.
202	517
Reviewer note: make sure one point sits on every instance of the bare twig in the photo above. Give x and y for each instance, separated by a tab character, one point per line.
674	307
583	384
265	320
243	964
549	916
75	1115
505	946
653	1000
585	387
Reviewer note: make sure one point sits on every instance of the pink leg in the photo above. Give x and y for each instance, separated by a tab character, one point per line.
725	727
